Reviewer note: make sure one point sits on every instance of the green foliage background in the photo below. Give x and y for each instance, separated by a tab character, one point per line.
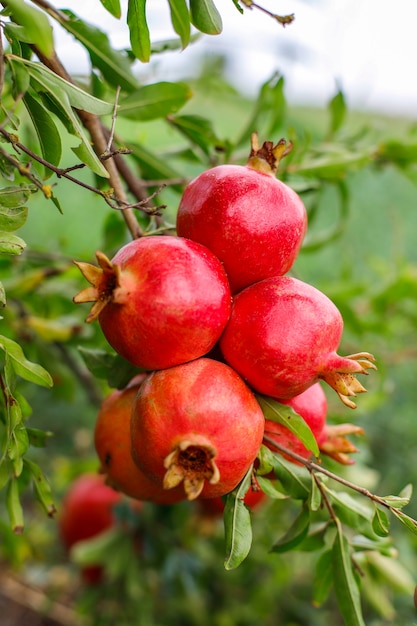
357	176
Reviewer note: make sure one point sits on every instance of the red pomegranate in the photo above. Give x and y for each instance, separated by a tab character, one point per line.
312	406
87	511
113	446
160	302
282	337
253	222
197	425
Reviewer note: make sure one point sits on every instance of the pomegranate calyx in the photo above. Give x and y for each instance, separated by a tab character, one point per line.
267	157
105	280
343	378
191	462
337	446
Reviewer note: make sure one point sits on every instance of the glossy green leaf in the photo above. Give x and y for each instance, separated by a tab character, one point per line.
15	196
153	101
408	521
20	77
346	587
265	461
296	532
323	578
205	17
11	219
402	499
42	487
197	129
19	443
285	415
295	480
337	108
37	29
11	244
14	507
380	522
113	64
140	40
315	499
351	511
180	18
24	368
113	7
237	525
46	131
271	488
14	413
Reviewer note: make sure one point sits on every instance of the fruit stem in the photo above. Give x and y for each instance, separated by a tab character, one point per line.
267	157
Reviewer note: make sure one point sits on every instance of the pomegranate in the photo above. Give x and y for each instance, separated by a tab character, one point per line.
282	337
253	222
198	425
160	302
87	511
112	443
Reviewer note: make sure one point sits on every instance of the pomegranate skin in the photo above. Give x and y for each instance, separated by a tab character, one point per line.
253	222
160	301
312	406
112	444
197	425
282	337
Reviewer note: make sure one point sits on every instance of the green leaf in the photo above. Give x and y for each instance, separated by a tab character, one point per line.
265	461
237	525
3	300
42	487
205	17
380	523
285	415
46	131
15	196
12	218
96	550
197	129
5	471
323	578
349	509
152	166
139	32
295	534
19	443
315	498
11	244
294	479
113	7
33	372
153	101
14	507
37	437
180	18
337	108
346	587
37	29
402	499
113	64
408	521
270	487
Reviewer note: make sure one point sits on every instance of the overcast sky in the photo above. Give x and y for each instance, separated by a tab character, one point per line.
368	47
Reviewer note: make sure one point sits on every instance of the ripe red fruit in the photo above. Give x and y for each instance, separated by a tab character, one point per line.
253	222
196	424
87	511
161	301
113	446
282	337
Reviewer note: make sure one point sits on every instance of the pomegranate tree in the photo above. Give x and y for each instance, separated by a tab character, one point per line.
253	222
160	301
113	447
197	425
282	337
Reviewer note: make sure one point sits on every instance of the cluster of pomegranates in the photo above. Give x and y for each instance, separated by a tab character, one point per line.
210	317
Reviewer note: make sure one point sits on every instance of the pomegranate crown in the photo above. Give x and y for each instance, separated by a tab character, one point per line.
266	158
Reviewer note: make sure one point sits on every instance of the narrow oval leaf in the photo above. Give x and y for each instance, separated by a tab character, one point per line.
15	196
197	129
295	480
33	372
113	7
315	498
19	443
14	507
46	131
237	525
153	101
113	64
180	18
323	578
295	534
285	415
11	244
271	489
12	219
37	437
205	17
140	40
380	523
346	588
42	487
408	521
37	29
337	108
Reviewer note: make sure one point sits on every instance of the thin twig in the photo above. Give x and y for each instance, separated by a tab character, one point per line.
113	121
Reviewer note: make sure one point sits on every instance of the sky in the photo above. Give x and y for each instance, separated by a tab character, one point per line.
366	47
